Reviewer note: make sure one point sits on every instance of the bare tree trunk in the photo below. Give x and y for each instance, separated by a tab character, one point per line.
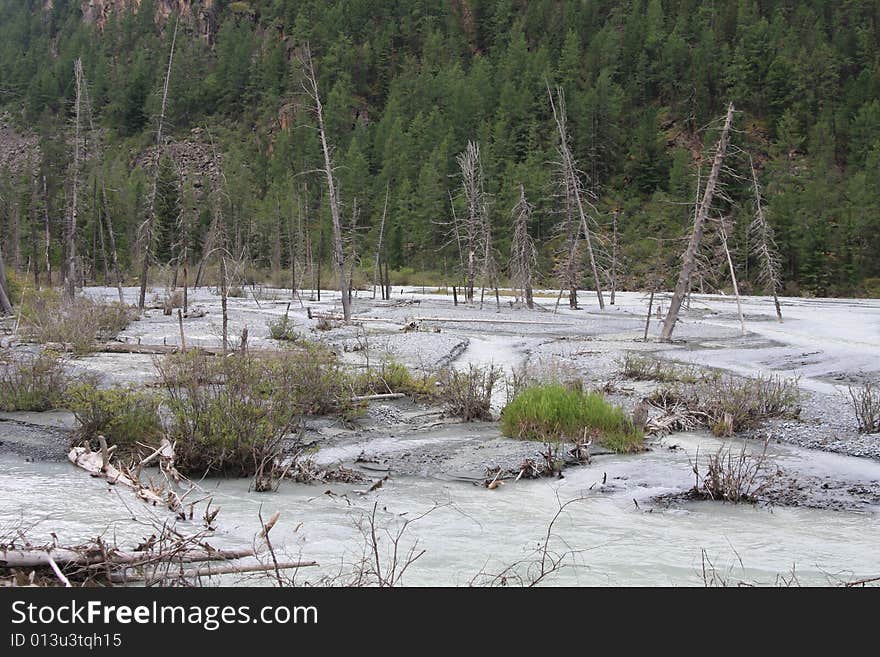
377	274
764	246
648	318
101	241
523	254
477	229
48	235
185	279
111	235
15	236
613	254
147	226
292	244
310	261
689	261
70	232
338	250
570	172
35	240
742	322
5	303
224	294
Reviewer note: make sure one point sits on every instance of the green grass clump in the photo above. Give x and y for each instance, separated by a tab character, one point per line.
554	412
125	416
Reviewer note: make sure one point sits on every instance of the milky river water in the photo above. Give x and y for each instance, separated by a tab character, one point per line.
614	534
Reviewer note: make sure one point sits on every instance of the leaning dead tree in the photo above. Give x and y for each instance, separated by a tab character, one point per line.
689	260
568	171
523	254
764	245
310	86
146	229
70	225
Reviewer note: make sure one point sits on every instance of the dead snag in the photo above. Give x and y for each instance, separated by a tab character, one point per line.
146	228
523	254
689	260
310	85
568	171
764	245
475	231
70	224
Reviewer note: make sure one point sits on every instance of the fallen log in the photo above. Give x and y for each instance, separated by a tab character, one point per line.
354	320
486	321
208	571
94	464
147	349
387	395
43	558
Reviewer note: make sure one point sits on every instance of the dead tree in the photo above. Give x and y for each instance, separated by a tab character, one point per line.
523	254
569	172
764	245
70	227
475	231
568	268
146	228
15	235
689	260
614	246
310	86
722	232
376	271
5	303
48	235
99	160
35	240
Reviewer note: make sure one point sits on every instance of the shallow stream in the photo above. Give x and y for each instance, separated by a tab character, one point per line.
616	534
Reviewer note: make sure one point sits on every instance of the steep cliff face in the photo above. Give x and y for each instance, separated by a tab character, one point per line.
198	13
18	150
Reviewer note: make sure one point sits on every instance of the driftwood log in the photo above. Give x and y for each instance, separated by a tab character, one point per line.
97	464
42	558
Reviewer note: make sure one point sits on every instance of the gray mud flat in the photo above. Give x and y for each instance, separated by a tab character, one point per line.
821	517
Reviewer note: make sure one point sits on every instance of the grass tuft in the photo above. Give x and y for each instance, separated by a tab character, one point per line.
554	412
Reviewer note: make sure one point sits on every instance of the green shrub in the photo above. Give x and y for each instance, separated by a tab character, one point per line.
394	377
125	416
31	382
15	286
554	412
740	403
468	395
727	404
232	415
283	329
47	318
647	368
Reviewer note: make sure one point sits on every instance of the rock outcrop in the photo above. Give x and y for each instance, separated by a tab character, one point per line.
200	14
18	150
